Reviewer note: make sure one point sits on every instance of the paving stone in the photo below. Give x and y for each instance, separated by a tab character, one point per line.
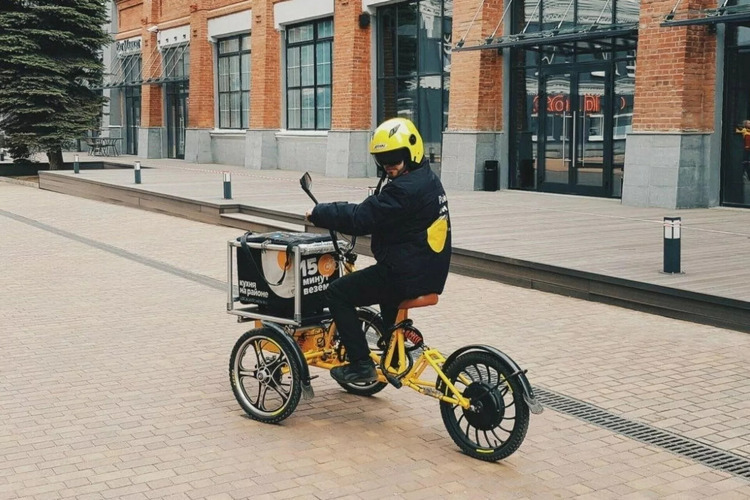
114	382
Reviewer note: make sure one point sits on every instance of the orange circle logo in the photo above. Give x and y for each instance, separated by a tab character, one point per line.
326	265
283	261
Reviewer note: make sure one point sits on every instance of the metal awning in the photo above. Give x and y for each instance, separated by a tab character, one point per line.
128	70
725	13
586	37
623	36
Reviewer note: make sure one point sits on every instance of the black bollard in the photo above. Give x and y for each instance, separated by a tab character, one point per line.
672	238
227	185
137	171
76	165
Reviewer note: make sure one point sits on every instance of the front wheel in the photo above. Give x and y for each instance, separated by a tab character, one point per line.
265	376
495	425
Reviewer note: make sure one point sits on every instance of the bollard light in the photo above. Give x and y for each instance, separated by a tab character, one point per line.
137	170
76	166
672	239
227	185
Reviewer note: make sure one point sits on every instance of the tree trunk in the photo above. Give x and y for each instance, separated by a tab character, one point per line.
55	158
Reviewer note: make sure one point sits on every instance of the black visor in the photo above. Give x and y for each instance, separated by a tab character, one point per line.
390	157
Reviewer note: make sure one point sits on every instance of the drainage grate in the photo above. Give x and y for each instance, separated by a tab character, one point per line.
680	445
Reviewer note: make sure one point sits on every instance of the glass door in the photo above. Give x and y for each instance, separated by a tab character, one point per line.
132	118
177	94
574	131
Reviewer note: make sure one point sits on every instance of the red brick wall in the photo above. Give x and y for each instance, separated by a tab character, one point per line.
265	77
675	72
351	69
476	76
201	106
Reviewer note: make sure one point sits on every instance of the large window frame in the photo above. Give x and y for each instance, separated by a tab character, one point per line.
413	67
233	64
309	75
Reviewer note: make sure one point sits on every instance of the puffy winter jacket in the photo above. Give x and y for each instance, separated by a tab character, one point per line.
410	227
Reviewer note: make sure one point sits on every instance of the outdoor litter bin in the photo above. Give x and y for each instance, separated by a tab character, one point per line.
490	175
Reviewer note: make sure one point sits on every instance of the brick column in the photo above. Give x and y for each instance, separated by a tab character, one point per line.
151	134
265	89
346	148
666	161
476	107
201	101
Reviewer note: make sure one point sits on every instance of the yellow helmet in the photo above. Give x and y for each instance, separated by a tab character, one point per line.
395	140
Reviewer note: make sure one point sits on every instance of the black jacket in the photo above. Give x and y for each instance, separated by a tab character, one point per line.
398	219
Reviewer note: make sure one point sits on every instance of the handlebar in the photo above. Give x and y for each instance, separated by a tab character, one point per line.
348	254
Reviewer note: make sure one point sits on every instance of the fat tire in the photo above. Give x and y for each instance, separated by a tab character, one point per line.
274	365
482	365
373	326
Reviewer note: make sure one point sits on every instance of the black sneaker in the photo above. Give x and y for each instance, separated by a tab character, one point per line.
362	371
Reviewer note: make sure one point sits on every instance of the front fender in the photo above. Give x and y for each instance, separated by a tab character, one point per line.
516	371
294	350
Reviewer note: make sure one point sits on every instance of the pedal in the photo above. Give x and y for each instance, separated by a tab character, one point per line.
393	381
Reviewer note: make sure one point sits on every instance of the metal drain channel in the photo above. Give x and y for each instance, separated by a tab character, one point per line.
680	445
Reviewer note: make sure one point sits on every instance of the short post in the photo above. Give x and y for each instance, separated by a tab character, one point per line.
672	230
137	170
76	165
227	185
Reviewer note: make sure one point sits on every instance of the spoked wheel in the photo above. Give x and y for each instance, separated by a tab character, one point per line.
265	378
372	325
496	424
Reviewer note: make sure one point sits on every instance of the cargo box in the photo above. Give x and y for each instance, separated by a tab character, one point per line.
283	275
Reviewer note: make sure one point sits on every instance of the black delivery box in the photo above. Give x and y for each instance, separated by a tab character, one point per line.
266	273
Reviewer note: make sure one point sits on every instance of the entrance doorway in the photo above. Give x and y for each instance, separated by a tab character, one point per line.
574	130
132	118
177	96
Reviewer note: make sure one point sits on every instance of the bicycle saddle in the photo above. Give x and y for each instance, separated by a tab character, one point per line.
422	301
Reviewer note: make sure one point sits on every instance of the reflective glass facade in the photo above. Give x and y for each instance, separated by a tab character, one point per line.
413	67
572	102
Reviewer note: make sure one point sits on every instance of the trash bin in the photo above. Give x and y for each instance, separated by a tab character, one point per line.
490	175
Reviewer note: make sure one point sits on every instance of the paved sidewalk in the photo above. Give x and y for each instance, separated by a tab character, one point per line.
114	382
591	235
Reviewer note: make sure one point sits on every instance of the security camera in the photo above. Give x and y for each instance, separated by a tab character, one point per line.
153	29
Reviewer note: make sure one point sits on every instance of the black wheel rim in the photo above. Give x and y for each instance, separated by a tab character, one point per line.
489	423
264	375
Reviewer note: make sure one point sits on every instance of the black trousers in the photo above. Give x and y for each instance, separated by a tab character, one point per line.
372	285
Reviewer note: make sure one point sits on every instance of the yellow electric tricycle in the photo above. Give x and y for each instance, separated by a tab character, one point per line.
485	397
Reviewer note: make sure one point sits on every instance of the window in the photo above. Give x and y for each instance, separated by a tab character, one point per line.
234	82
414	64
309	55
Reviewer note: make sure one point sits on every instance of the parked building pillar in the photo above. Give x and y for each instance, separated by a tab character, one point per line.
667	160
152	136
201	100
265	90
474	132
346	148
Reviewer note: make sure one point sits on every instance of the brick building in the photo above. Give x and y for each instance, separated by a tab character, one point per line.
635	99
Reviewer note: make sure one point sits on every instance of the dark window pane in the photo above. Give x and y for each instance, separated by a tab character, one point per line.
406	44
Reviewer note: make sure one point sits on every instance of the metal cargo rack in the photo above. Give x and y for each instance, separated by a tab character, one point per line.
248	312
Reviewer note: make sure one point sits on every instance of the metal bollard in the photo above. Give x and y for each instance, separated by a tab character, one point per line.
672	230
76	166
227	185
137	171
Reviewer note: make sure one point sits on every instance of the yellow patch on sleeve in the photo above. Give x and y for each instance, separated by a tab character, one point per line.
437	234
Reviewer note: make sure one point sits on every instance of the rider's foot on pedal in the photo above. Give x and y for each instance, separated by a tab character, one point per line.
362	371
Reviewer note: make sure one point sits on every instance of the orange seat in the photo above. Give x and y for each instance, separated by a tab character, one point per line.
422	301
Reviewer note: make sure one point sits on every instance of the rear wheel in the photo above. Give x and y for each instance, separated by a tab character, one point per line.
495	425
265	376
372	324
